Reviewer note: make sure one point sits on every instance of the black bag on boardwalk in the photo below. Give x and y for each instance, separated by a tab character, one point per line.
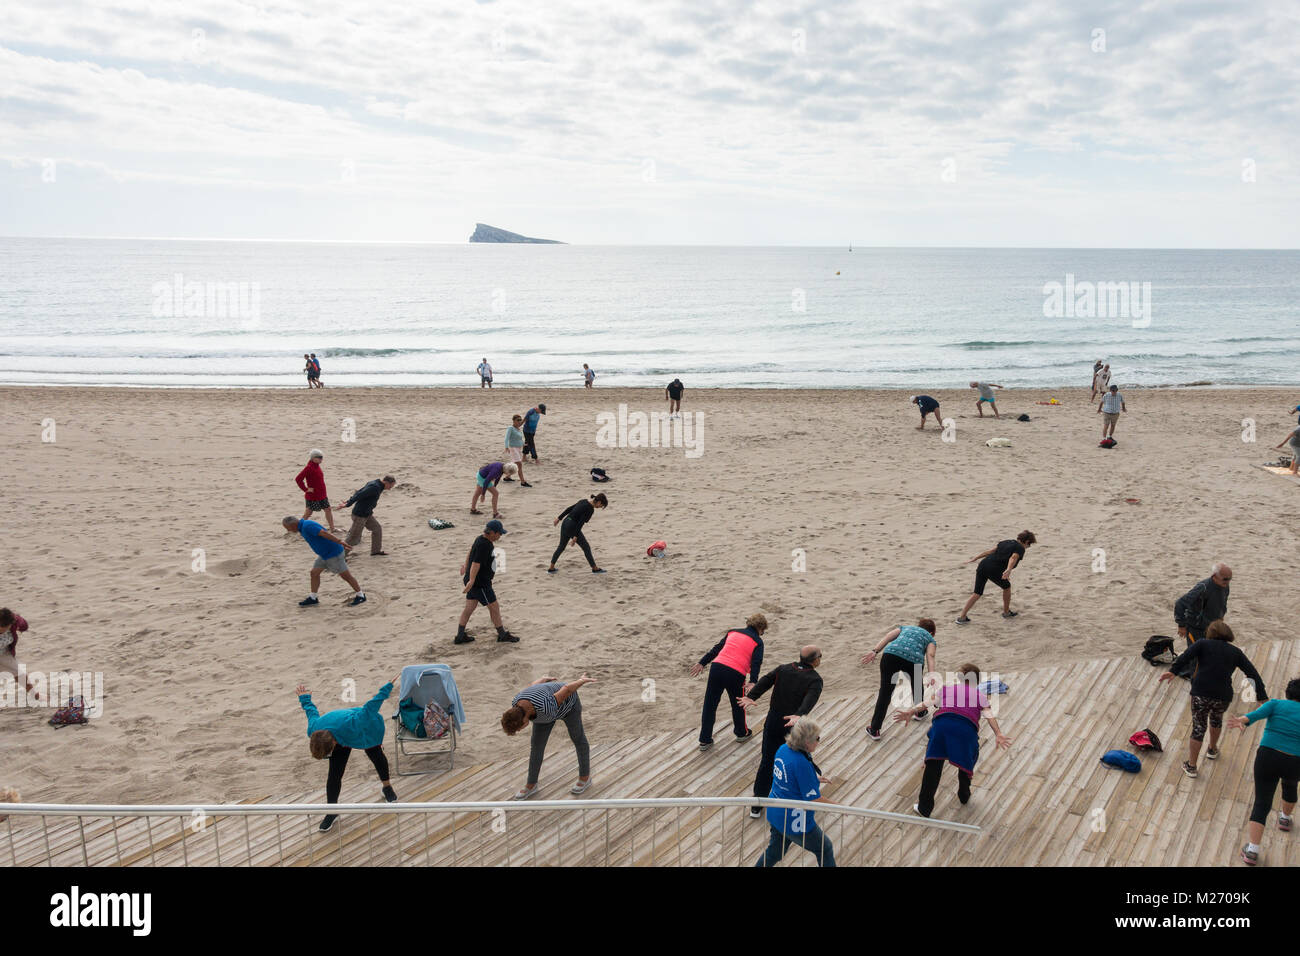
1159	650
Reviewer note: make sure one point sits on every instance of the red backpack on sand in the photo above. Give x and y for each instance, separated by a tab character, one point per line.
74	713
1107	443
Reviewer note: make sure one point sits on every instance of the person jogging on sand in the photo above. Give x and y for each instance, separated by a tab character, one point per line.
489	476
996	565
986	395
329	557
336	734
738	654
476	574
574	517
927	406
543	702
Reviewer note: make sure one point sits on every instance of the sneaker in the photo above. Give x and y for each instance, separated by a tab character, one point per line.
874	734
597	570
922	715
550	570
505	637
309	601
390	795
359	599
748	733
1212	754
507	479
1283	822
1010	613
1189	769
524	484
708	746
463	638
328	823
1248	856
755	813
963	620
916	808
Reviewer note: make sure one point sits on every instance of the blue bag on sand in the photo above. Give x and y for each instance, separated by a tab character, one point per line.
1122	759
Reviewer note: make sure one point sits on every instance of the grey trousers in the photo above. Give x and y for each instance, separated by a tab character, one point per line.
376	533
542	732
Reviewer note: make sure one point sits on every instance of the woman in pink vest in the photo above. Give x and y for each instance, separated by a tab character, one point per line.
737	654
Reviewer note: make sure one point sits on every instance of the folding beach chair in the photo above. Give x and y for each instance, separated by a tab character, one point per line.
420	685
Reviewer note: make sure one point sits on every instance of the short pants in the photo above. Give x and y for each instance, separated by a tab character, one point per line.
1207	709
336	564
484	595
483	482
1109	418
989	400
320	504
983	575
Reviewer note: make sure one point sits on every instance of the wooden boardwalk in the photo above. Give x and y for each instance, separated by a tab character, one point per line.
1048	801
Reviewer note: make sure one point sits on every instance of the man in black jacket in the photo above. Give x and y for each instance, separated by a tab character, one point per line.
363	503
1203	604
795	690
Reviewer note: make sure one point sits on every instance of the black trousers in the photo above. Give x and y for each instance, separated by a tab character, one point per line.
568	530
774	733
530	447
891	667
930	785
339	762
1272	766
722	680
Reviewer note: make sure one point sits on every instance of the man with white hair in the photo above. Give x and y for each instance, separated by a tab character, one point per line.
329	556
1204	604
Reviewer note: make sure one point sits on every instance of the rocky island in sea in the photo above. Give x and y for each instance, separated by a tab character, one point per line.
486	233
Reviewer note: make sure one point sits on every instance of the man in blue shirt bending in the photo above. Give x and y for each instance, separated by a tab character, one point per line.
329	556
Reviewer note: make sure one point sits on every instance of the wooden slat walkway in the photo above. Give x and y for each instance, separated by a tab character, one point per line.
1048	801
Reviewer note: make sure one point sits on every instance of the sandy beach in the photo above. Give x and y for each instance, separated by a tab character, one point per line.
199	667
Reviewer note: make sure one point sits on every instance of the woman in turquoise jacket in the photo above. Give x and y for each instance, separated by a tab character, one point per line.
1276	761
336	733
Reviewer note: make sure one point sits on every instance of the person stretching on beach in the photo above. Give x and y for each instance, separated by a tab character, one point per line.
515	448
1207	601
476	575
1216	659
986	395
1276	760
737	654
489	476
1112	403
336	734
927	405
312	482
363	503
11	625
996	565
329	556
543	702
574	517
797	778
1293	440
674	395
588	376
531	419
954	735
905	649
795	690
485	374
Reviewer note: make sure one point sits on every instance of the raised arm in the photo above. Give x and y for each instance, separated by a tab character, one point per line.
1248	669
570	688
374	703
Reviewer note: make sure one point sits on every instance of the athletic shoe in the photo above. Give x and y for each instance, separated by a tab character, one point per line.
524	484
1189	769
507	479
463	638
309	601
1010	613
922	715
755	813
748	733
916	808
874	734
359	599
963	620
328	823
1212	754
1248	856
390	795
1283	822
597	570
550	570
505	637
704	747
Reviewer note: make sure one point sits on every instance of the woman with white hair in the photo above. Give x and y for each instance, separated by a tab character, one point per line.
796	777
489	476
312	482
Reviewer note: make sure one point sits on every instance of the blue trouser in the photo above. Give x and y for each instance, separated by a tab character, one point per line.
814	841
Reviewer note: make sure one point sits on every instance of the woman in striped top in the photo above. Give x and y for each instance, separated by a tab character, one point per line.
543	702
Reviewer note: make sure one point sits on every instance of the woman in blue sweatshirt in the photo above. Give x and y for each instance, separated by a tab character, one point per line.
338	732
1277	759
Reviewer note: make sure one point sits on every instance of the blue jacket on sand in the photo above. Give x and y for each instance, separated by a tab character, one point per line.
356	727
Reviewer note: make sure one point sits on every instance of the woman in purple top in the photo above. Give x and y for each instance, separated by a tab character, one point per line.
486	481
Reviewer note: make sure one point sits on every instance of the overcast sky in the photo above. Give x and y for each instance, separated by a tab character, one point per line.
1010	122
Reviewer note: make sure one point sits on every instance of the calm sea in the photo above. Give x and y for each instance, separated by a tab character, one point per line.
182	313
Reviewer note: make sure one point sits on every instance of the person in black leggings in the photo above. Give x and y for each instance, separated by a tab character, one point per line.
903	650
1276	761
574	517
